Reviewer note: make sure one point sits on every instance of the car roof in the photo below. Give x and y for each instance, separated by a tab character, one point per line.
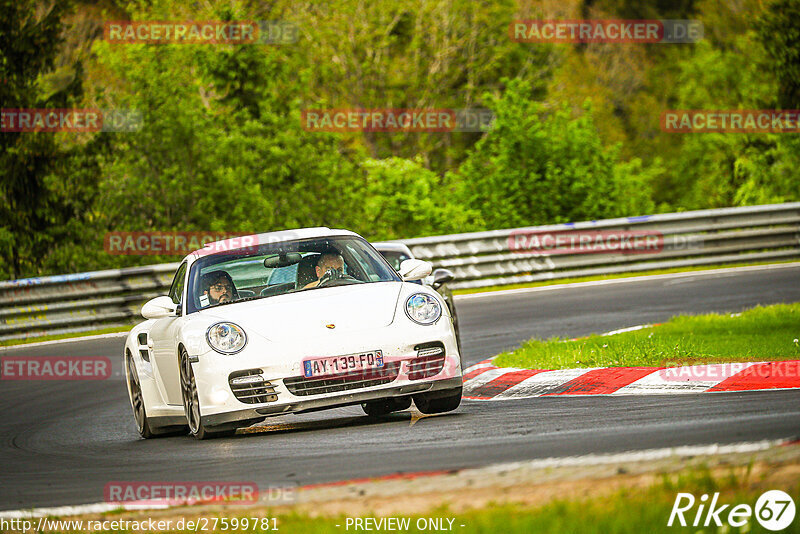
393	246
270	237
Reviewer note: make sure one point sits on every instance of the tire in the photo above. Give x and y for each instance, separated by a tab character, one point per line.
191	403
455	327
143	424
432	403
382	407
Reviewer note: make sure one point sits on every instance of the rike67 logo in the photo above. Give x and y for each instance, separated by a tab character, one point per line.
774	510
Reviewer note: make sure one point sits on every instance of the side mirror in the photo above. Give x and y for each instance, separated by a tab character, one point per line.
441	277
159	307
415	270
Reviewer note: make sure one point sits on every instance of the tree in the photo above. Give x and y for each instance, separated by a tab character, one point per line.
36	196
541	166
713	169
404	199
778	29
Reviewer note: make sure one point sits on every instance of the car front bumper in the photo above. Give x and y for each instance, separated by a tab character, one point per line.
219	405
332	401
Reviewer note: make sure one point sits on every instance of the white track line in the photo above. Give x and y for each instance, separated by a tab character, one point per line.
542	383
627	280
68	340
634	456
545	463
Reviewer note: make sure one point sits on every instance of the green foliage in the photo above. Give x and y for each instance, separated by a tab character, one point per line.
541	165
719	169
779	30
42	203
404	199
222	147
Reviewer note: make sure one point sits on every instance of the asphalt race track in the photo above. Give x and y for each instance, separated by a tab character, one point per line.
62	442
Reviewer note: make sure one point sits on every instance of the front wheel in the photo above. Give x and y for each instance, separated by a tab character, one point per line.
137	399
191	403
143	423
438	402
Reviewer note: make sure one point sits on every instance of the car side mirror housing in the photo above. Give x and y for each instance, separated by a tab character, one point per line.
441	277
159	307
412	270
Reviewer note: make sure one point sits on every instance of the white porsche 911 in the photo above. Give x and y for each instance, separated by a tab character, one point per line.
289	322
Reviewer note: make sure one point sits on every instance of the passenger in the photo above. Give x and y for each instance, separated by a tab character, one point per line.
216	288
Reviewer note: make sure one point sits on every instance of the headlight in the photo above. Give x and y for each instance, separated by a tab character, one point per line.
423	309
226	338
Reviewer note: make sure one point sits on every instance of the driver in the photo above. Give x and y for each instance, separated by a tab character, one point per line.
216	287
329	267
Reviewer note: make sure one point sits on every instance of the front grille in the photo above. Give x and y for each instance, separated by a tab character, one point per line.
302	386
425	367
251	388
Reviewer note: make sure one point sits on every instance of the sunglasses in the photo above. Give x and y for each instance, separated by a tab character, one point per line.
221	287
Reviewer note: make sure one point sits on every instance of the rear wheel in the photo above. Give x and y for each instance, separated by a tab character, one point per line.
381	407
438	402
191	403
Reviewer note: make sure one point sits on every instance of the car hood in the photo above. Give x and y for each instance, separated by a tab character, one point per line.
353	307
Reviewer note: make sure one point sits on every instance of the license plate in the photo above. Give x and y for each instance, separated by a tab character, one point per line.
343	364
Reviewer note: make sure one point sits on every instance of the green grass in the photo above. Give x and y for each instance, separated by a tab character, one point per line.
759	334
613	276
626	511
110	330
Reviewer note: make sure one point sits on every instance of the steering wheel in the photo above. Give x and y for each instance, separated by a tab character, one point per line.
342	280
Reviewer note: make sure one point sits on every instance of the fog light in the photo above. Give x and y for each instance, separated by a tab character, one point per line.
219	396
432	351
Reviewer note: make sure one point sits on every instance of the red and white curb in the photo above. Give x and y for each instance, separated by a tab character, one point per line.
485	381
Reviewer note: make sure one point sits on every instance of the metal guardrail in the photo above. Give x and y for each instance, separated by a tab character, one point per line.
87	301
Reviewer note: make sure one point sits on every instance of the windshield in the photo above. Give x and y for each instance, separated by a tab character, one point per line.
285	267
395	257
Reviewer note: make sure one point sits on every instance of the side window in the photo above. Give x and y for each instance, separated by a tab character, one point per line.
176	290
362	265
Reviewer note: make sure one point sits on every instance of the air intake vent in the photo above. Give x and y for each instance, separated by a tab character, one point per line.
429	361
144	351
302	386
250	387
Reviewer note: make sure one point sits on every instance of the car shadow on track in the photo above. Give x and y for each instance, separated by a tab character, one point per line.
284	427
267	427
